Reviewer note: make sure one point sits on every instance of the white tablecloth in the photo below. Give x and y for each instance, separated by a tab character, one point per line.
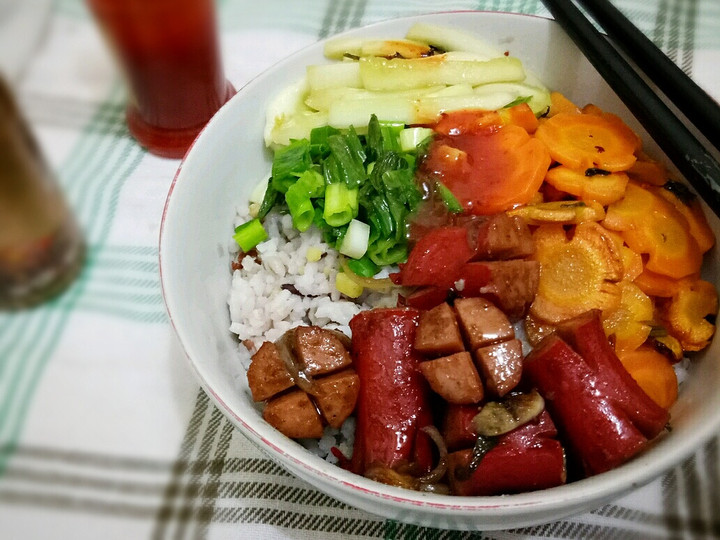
104	432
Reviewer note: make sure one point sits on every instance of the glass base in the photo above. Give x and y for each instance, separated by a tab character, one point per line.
48	277
168	143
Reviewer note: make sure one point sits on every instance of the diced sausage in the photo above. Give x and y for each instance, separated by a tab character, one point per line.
438	333
336	395
482	322
267	374
319	351
454	378
500	365
457	426
294	415
504	237
512	285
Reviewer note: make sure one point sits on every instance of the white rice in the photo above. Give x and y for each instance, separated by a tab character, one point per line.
281	289
263	306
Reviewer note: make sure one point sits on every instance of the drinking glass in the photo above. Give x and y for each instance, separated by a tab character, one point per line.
170	56
41	245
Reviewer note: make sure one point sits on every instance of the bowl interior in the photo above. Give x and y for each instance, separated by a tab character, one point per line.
228	160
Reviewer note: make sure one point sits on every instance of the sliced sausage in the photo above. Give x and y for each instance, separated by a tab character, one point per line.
504	237
512	285
438	333
336	395
319	351
500	365
294	415
267	374
454	378
481	322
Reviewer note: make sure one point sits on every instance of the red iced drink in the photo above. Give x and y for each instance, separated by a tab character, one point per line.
169	52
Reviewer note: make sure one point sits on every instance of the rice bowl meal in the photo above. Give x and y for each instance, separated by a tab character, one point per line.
462	289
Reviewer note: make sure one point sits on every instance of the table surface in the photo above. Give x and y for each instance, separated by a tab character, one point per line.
104	431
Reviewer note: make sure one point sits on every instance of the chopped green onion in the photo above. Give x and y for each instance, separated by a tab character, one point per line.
271	199
341	204
382	137
250	234
310	185
450	201
355	241
385	252
350	157
363	267
289	163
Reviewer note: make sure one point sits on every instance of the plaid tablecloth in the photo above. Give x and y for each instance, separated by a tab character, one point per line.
104	432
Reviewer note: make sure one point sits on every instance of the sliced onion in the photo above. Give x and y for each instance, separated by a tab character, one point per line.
284	345
437	474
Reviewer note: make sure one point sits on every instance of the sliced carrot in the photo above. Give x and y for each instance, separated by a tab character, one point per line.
686	314
561	104
520	115
503	167
650	225
659	285
584	141
630	322
653	373
602	188
689	206
576	275
648	171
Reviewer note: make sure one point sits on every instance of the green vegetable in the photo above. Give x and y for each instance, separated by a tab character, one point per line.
342	183
289	163
451	203
250	234
363	267
347	158
309	185
341	204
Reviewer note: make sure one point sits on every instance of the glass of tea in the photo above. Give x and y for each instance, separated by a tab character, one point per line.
41	246
170	55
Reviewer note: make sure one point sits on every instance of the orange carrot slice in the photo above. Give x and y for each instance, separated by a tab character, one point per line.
583	141
576	275
602	188
653	373
492	169
650	225
559	103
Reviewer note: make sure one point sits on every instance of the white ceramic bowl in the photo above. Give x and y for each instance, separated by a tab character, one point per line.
229	158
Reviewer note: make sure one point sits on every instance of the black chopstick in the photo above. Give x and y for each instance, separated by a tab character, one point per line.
702	110
691	158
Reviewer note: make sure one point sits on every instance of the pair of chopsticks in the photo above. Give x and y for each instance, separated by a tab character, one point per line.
682	147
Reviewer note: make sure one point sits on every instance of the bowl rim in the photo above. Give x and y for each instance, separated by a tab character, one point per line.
599	488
